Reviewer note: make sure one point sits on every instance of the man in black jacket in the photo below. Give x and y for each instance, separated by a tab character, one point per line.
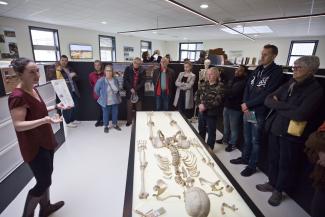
266	78
232	114
134	86
294	107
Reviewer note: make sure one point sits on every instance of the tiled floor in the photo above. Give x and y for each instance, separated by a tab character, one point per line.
90	175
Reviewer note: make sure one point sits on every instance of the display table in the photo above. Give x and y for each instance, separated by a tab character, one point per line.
172	170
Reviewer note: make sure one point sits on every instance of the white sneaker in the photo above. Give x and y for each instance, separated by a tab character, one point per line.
76	122
72	125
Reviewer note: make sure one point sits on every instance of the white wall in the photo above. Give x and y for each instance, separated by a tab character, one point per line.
253	48
69	35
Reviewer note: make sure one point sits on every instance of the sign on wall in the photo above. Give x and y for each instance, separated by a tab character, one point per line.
128	53
8	43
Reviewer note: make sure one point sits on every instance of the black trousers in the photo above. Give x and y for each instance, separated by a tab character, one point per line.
284	162
42	168
100	113
318	206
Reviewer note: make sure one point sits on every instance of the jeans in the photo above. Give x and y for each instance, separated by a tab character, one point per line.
208	124
106	114
231	125
69	115
42	168
253	133
162	102
284	158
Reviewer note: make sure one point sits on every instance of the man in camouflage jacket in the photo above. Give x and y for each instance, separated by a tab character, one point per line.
208	98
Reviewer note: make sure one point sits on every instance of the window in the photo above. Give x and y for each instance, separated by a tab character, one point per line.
45	44
301	48
107	49
145	46
190	50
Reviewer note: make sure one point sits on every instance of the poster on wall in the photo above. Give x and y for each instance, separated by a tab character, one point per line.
8	43
9	78
128	53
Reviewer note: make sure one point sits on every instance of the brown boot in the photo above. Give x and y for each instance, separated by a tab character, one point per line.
30	205
46	207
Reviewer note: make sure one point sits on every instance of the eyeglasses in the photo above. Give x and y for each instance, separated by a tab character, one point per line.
296	67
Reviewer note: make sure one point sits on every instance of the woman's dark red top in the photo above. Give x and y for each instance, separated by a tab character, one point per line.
31	140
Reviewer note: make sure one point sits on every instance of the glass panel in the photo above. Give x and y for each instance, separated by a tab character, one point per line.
192	56
183	55
192	46
40	37
199	46
184	46
293	59
106	55
45	55
106	42
197	55
304	49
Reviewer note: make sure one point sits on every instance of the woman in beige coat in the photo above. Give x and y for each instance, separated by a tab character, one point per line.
184	93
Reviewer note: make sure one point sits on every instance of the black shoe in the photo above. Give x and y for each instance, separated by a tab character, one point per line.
106	129
239	160
230	148
128	124
275	199
99	124
248	172
117	128
219	141
266	187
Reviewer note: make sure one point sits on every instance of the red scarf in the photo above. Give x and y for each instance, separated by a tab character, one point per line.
135	77
158	86
322	127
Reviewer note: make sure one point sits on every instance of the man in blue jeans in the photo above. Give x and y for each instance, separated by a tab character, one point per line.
265	79
164	82
232	114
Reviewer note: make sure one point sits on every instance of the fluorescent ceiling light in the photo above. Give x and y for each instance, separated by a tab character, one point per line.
154	32
103	22
185	38
249	30
204	6
3	3
204	17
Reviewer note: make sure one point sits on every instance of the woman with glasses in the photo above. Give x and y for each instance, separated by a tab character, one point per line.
293	108
107	89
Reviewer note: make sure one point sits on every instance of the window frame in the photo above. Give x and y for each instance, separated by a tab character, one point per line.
150	46
57	47
113	47
180	49
300	42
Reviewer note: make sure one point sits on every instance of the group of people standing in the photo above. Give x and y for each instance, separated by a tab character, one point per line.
258	101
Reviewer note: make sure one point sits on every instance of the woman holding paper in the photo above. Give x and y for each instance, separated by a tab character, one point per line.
107	88
35	136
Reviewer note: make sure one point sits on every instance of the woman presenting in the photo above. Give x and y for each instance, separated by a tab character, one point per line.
35	136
